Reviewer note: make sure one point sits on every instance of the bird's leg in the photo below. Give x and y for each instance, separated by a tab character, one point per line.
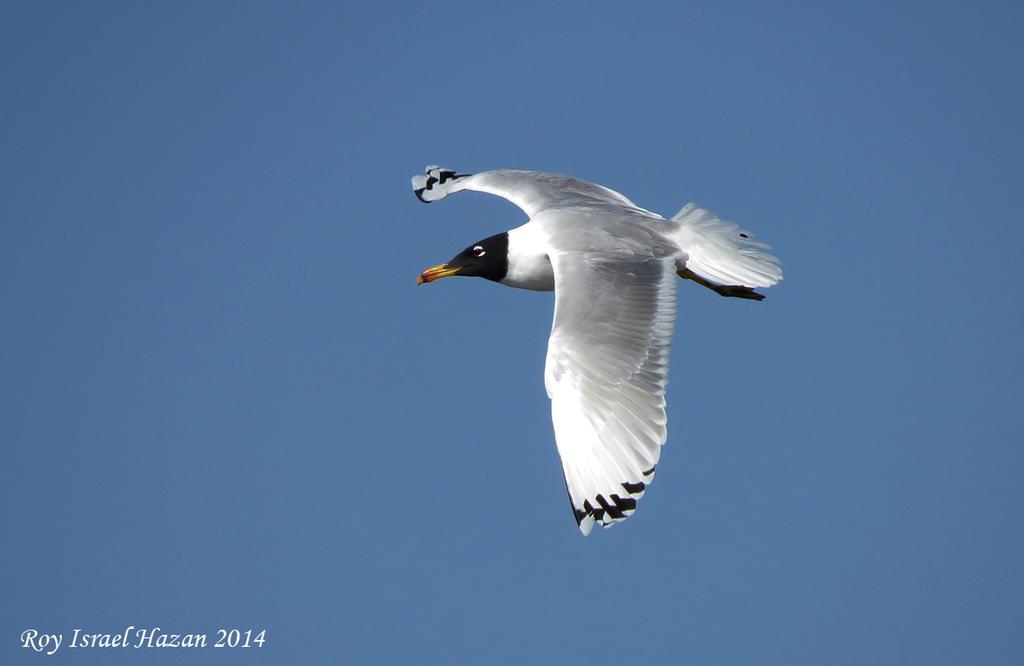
734	291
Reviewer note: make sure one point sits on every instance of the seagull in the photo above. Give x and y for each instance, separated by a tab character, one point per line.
613	268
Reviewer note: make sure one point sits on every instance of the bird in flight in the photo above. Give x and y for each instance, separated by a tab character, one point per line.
613	268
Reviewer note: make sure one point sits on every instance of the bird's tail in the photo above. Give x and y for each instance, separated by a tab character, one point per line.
721	252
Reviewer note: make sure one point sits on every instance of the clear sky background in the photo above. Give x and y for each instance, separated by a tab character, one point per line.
225	403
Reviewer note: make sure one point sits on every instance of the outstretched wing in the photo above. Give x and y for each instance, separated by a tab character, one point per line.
532	191
606	371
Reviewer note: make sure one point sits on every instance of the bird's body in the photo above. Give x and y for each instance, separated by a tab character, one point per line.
529	266
613	267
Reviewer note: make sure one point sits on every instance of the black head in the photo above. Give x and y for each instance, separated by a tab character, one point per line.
487	259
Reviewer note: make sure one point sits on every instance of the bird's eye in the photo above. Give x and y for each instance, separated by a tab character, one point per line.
478	251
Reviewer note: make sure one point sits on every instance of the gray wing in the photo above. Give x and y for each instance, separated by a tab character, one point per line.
606	372
532	191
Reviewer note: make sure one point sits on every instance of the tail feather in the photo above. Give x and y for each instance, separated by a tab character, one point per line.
723	253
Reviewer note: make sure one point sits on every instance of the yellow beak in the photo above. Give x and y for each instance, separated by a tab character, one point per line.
437	272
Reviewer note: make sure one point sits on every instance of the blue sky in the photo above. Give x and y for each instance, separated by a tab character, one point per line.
226	403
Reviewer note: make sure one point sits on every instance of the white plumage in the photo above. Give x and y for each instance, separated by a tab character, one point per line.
613	268
722	252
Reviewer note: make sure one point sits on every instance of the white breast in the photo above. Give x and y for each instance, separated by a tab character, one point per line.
528	263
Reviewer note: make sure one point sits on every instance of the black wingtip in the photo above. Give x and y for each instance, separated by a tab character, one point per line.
435	183
635	488
605	511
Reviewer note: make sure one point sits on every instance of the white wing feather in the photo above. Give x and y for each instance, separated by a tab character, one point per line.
532	191
606	372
